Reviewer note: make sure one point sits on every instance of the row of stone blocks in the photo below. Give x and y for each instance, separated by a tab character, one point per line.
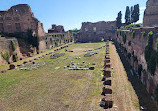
12	66
106	102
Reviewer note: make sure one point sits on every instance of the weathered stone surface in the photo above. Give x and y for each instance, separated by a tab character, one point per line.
88	54
151	14
94	32
19	18
56	55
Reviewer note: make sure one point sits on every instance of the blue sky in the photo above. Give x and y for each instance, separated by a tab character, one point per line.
71	13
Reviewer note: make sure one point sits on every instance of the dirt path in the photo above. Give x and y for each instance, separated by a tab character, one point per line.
125	98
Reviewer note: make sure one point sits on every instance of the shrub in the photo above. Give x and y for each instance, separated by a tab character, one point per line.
150	39
143	34
6	56
129	43
51	40
12	45
151	65
133	34
140	69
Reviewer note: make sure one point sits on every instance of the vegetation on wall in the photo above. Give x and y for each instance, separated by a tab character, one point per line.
150	54
133	34
12	46
143	34
6	56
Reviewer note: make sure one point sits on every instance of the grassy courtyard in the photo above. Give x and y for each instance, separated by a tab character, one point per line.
53	88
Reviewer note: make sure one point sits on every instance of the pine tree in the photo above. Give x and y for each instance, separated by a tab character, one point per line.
127	16
119	20
132	13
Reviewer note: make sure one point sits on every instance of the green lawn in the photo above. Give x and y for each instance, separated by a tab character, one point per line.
53	88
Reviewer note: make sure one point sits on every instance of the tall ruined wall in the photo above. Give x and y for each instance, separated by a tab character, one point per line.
151	14
5	47
94	32
20	18
138	44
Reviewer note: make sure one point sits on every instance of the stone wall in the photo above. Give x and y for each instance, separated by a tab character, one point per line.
5	47
64	38
56	29
20	18
138	44
95	32
151	14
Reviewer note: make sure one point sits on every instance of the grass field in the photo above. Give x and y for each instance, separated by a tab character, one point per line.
53	88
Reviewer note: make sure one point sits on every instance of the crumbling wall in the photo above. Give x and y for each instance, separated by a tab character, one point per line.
138	44
20	18
95	32
151	14
5	47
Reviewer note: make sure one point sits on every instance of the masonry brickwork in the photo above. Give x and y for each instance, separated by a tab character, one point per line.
19	18
95	32
151	14
5	47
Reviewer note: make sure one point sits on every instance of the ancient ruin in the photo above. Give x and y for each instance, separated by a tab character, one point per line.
57	36
95	32
20	18
151	14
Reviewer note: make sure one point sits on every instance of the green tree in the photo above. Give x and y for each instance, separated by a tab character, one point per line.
127	16
135	13
131	14
12	45
6	56
119	20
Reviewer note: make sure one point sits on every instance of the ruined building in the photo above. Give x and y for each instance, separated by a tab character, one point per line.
57	36
20	18
134	45
56	29
95	32
151	14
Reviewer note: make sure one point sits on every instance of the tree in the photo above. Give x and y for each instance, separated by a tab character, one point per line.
127	16
119	20
135	13
131	14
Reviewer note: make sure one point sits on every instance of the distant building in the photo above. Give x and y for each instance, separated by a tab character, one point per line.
56	29
95	32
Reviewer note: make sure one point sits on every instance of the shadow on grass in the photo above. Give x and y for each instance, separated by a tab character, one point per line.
143	96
